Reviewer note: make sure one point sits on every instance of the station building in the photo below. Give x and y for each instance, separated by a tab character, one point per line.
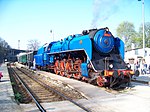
134	55
11	55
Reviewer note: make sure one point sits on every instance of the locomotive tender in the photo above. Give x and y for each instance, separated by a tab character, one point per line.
95	56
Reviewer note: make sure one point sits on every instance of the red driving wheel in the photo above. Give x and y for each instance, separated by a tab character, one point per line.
100	81
69	68
77	67
56	68
62	68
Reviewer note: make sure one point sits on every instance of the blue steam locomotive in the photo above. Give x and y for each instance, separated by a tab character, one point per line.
95	56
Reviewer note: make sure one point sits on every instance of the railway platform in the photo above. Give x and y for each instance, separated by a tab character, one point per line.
7	102
142	79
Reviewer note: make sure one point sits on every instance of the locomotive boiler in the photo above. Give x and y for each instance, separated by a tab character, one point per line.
95	56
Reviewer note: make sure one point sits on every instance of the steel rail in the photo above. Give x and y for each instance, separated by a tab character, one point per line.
24	85
57	92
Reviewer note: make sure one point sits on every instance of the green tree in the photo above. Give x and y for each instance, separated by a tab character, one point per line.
147	35
126	31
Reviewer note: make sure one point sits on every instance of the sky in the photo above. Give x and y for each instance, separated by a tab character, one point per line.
26	20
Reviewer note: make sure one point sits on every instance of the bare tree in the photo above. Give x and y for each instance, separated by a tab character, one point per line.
33	45
4	47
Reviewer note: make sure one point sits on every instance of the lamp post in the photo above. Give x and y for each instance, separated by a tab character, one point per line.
19	44
143	27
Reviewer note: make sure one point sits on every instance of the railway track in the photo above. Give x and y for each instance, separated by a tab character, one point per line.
39	91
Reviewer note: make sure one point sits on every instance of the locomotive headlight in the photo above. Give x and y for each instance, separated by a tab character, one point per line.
111	66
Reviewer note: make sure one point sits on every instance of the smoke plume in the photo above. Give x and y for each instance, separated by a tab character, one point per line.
102	10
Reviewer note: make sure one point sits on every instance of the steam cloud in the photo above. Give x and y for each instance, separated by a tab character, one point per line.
102	10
